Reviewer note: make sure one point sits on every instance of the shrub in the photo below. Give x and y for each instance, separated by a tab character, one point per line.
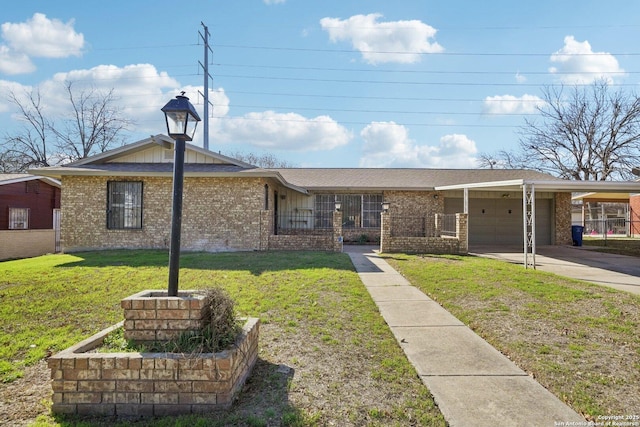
219	331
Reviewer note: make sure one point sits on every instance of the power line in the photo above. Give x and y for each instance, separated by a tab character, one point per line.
397	82
378	70
444	53
340	122
346	110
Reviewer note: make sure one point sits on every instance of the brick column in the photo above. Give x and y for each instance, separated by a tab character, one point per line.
337	231
462	232
562	219
266	229
153	316
385	232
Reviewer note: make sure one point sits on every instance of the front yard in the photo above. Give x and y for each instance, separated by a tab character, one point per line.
580	341
326	355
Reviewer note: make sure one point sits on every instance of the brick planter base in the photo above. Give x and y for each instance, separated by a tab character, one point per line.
149	384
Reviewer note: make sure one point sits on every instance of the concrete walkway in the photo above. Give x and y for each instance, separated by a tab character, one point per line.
472	383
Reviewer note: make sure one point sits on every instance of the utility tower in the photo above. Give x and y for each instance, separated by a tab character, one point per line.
207	76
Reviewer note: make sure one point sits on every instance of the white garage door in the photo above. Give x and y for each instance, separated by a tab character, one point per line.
499	221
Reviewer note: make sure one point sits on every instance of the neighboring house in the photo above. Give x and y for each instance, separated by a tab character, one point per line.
611	213
122	199
28	205
634	214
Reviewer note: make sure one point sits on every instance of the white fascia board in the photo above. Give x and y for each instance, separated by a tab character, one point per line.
481	185
34	176
587	186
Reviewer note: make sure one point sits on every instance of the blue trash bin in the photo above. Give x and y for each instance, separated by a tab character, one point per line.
576	234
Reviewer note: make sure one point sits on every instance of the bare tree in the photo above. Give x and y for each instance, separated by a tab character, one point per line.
265	160
93	126
584	133
501	160
29	147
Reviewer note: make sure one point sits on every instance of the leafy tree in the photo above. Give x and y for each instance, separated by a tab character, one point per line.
93	125
583	133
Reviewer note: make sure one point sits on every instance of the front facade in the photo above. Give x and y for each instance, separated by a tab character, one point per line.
122	199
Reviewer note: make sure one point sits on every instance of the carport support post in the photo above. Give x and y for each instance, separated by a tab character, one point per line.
529	223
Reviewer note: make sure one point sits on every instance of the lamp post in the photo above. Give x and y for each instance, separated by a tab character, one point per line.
182	120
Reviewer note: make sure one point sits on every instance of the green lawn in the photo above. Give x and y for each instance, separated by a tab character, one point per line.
618	245
317	319
579	340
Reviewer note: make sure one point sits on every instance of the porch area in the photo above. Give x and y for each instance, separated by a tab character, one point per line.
436	234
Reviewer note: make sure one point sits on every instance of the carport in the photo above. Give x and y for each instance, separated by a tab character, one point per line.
531	219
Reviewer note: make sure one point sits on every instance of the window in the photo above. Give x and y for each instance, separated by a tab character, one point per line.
351	210
358	210
371	209
18	218
324	207
124	204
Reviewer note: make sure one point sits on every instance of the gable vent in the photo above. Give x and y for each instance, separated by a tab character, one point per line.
168	156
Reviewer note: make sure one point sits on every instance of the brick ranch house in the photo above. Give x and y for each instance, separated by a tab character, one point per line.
122	199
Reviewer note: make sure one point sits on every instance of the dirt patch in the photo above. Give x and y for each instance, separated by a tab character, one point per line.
24	399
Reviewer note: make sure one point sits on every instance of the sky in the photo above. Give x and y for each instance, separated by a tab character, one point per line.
331	83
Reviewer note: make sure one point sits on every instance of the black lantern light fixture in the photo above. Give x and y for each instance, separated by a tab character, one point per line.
386	206
338	205
182	119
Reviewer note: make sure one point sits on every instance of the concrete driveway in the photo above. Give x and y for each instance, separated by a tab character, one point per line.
616	271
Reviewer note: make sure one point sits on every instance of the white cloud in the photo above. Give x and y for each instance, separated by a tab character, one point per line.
43	37
7	87
14	62
509	104
580	65
520	78
380	42
289	131
269	2
387	144
140	90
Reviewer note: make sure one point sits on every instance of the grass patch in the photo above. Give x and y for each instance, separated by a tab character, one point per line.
620	245
319	329
579	340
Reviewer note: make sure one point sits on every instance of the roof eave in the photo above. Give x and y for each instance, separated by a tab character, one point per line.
59	172
50	180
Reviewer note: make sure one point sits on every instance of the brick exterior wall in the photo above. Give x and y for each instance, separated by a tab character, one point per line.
431	245
330	242
414	203
26	243
562	235
219	214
